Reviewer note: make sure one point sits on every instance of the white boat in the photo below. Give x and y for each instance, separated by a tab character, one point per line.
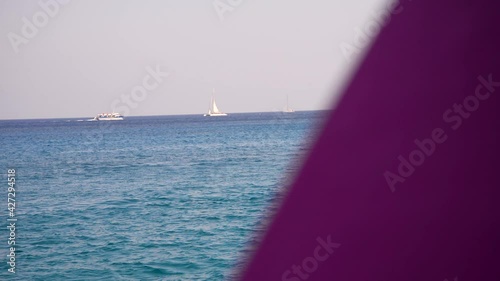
288	109
108	117
213	110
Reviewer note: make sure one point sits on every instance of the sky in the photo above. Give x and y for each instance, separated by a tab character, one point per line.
78	58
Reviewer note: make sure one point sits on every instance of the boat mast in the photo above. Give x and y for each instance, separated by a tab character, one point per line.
211	105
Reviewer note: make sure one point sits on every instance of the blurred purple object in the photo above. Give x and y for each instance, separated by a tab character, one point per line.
403	183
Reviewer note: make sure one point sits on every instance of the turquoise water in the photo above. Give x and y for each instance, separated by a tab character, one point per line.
147	198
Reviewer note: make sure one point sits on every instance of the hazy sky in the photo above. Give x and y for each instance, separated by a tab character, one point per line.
89	56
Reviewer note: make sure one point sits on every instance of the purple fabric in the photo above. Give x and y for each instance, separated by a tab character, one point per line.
344	220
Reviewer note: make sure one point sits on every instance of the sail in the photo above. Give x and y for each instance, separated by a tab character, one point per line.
210	105
213	110
214	107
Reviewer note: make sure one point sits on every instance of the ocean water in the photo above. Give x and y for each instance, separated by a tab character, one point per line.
147	198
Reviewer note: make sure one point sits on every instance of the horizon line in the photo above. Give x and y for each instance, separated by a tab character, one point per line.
153	115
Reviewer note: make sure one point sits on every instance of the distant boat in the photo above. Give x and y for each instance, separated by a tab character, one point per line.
288	109
108	117
213	110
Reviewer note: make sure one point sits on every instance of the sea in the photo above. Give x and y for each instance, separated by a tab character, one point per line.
147	198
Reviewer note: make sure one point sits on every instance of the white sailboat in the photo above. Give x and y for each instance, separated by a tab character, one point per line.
288	109
213	110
